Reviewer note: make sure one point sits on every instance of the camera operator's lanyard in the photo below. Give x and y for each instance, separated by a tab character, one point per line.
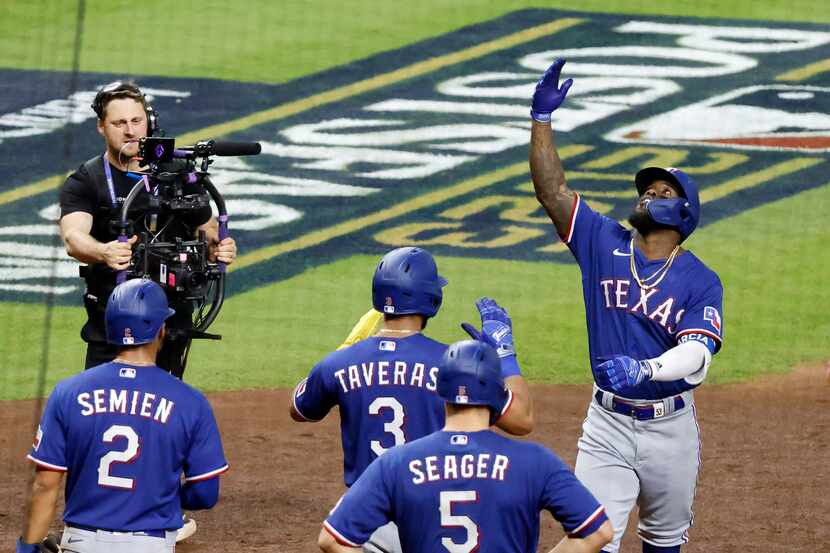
110	185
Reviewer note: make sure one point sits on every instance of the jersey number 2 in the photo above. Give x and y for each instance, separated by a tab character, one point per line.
128	455
394	427
449	520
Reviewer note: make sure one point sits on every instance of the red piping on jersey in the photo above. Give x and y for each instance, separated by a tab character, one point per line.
569	234
588	522
507	407
337	537
296	408
46	466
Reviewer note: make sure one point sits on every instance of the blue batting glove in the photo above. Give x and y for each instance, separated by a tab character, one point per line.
496	327
22	547
622	372
549	95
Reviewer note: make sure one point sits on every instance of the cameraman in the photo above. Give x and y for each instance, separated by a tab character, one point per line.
91	201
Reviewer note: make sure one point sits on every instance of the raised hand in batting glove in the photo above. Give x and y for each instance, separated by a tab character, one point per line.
496	330
622	372
496	327
549	95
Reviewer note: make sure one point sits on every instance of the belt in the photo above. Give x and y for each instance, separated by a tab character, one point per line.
148	533
642	412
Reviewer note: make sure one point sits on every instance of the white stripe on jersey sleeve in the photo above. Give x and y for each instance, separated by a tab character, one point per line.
296	407
577	201
44	464
338	536
508	403
206	475
588	521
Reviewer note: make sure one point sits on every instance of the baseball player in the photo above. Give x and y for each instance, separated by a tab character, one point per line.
465	488
124	433
653	311
385	384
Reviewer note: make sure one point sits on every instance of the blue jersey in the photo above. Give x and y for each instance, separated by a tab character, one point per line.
643	324
125	434
464	492
386	390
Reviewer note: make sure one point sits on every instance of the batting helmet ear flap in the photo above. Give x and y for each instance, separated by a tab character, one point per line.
135	313
470	374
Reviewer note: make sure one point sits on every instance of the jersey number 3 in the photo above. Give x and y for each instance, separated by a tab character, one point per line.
394	427
128	455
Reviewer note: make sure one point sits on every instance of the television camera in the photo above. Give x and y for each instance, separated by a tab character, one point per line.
181	266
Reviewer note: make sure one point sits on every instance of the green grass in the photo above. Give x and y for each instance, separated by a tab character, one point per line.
277	41
770	260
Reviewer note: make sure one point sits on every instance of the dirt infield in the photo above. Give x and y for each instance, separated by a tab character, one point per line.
764	486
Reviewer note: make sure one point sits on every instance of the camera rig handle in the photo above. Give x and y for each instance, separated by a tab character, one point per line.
121	276
222	216
199	328
219	296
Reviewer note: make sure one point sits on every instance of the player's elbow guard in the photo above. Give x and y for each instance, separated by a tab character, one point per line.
200	495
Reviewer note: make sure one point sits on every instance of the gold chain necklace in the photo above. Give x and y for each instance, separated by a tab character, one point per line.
392	330
662	271
136	363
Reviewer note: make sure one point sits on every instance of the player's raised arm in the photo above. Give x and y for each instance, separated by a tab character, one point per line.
497	330
545	166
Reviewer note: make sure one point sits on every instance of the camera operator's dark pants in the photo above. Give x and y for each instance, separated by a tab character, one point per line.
173	354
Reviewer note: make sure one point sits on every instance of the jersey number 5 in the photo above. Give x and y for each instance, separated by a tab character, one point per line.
126	456
394	427
449	520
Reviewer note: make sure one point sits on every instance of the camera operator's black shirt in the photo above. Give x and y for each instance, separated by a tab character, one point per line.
86	190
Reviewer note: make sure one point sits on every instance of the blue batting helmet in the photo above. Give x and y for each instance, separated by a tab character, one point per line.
470	374
682	214
407	282
136	310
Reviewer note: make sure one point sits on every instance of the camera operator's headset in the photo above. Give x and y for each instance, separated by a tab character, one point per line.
125	86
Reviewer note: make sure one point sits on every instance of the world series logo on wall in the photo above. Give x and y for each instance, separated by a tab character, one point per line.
427	145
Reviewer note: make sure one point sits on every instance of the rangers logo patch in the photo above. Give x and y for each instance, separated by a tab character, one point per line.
38	438
711	314
300	388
